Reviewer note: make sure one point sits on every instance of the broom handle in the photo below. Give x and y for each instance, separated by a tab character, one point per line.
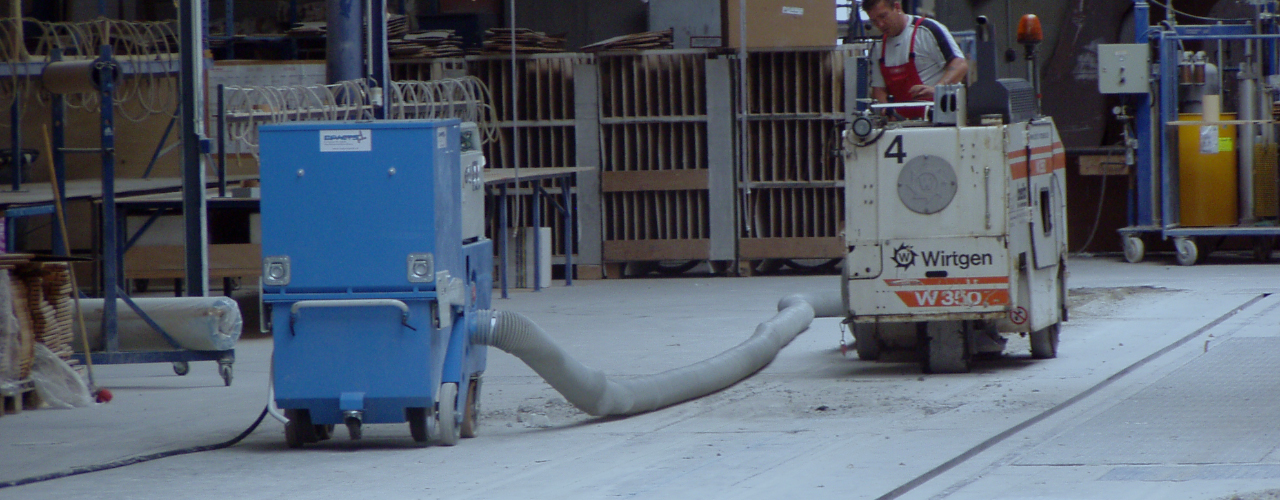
71	269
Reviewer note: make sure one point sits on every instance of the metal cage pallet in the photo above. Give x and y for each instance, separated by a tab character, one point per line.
791	182
541	126
666	163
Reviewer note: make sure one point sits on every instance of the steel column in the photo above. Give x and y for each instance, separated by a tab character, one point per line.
342	40
191	42
110	225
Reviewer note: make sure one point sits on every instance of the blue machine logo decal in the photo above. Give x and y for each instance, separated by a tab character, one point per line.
904	256
346	140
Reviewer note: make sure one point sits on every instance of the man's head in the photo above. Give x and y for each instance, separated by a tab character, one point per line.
887	15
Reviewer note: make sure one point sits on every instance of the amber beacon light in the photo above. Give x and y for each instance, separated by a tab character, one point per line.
1029	29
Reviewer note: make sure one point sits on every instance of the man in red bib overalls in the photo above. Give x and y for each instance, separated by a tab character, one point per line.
915	54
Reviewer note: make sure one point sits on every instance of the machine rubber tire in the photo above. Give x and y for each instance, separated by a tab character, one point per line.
181	368
471	411
866	342
1188	252
446	415
1044	343
417	418
1134	249
944	347
299	430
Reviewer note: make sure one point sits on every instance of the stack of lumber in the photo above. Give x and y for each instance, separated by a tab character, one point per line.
39	299
426	44
307	29
649	40
524	40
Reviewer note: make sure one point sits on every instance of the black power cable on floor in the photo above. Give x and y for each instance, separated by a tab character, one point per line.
136	460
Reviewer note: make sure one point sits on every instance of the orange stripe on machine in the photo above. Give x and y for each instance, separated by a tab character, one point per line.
981	280
955	298
1044	159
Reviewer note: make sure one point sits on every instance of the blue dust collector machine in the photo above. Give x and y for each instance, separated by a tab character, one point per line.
371	281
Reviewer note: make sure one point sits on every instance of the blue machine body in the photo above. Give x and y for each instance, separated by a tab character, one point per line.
371	287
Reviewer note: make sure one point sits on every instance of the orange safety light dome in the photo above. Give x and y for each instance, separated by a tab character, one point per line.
1029	29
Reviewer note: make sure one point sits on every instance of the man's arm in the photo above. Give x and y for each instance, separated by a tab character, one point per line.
880	94
954	72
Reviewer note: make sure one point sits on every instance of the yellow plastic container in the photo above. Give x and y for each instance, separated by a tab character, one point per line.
1207	183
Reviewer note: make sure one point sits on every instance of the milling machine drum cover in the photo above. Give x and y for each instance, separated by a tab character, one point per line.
927	184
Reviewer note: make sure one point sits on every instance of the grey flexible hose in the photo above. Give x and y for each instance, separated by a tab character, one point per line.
592	392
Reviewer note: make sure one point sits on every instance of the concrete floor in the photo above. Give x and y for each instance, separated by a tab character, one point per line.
1169	373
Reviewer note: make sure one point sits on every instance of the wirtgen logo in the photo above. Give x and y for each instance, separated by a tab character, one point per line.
956	259
905	256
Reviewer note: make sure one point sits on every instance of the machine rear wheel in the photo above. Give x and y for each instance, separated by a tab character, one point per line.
471	412
945	347
446	415
1044	343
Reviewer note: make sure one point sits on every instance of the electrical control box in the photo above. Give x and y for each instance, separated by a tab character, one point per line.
1124	68
473	165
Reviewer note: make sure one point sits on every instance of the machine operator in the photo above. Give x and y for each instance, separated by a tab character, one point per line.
915	54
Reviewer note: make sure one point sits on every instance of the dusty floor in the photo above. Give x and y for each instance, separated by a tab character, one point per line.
814	424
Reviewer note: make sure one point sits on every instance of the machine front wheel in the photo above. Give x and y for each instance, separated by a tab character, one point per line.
181	368
1044	343
446	415
417	418
1134	249
1187	250
945	347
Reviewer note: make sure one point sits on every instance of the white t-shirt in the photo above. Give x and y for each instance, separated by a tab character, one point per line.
931	56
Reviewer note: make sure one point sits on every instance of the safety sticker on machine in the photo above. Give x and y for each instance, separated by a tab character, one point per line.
1018	315
954	298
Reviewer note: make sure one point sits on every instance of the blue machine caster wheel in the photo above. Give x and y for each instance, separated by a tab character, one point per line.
355	429
446	415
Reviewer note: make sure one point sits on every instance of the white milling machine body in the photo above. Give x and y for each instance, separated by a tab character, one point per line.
956	233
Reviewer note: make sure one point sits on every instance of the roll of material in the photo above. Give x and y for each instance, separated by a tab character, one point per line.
74	77
195	323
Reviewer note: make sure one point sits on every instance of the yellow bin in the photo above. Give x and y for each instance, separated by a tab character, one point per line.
1207	183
